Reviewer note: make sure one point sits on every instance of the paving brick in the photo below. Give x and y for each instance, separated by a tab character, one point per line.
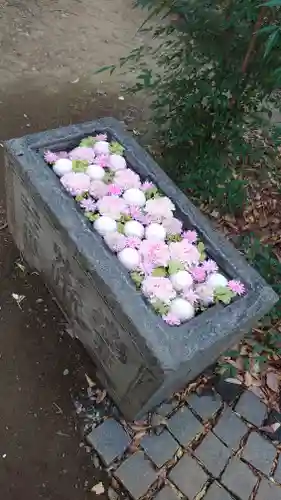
239	479
188	476
213	454
230	429
229	392
184	426
160	448
268	491
277	474
273	418
166	408
136	474
217	492
251	408
167	493
205	406
259	452
109	439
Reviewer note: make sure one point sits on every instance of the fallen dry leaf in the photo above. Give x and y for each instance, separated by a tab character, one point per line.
271	428
101	396
98	489
272	381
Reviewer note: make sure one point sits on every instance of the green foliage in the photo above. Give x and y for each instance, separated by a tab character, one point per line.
91	216
210	82
88	142
174	266
224	294
79	165
159	272
116	148
137	278
160	307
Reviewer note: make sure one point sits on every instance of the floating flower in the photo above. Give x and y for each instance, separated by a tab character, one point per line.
133	242
172	225
155	253
101	148
171	319
182	309
101	137
147	185
112	206
191	296
209	266
190	236
98	189
158	288
236	287
137	214
185	252
127	179
82	153
76	183
199	274
159	208
115	241
62	154
205	294
50	157
88	204
101	160
116	162
114	190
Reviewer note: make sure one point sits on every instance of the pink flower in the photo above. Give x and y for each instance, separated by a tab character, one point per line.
50	157
191	296
127	179
101	137
88	204
209	266
158	288
116	241
133	242
171	319
62	154
172	226
82	153
101	160
76	183
137	214
159	209
112	207
147	185
98	189
114	190
205	294
154	253
190	236
185	252
236	287
198	273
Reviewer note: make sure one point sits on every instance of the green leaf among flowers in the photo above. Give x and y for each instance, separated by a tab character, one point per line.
125	218
174	266
120	227
201	250
108	177
92	216
160	307
116	148
87	142
79	197
151	193
174	237
223	294
79	165
137	278
159	272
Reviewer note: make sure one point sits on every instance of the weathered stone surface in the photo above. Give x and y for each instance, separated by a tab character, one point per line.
213	454
251	408
109	439
166	408
230	429
184	426
204	406
167	493
217	492
229	392
140	359
277	474
239	479
160	448
259	452
188	476
136	474
268	491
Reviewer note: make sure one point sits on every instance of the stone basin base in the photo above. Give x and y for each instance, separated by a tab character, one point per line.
140	359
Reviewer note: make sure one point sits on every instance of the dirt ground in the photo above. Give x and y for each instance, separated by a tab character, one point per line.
49	51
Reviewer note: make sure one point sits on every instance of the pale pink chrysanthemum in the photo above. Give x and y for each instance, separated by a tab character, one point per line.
236	287
147	185
133	242
102	161
172	226
88	204
185	252
101	137
190	236
62	154
210	266
171	319
111	206
127	179
199	274
76	183
137	214
158	288
159	209
114	190
205	294
116	241
98	189
191	296
50	157
82	153
155	253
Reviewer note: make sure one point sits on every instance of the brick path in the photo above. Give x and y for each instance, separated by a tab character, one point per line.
208	447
